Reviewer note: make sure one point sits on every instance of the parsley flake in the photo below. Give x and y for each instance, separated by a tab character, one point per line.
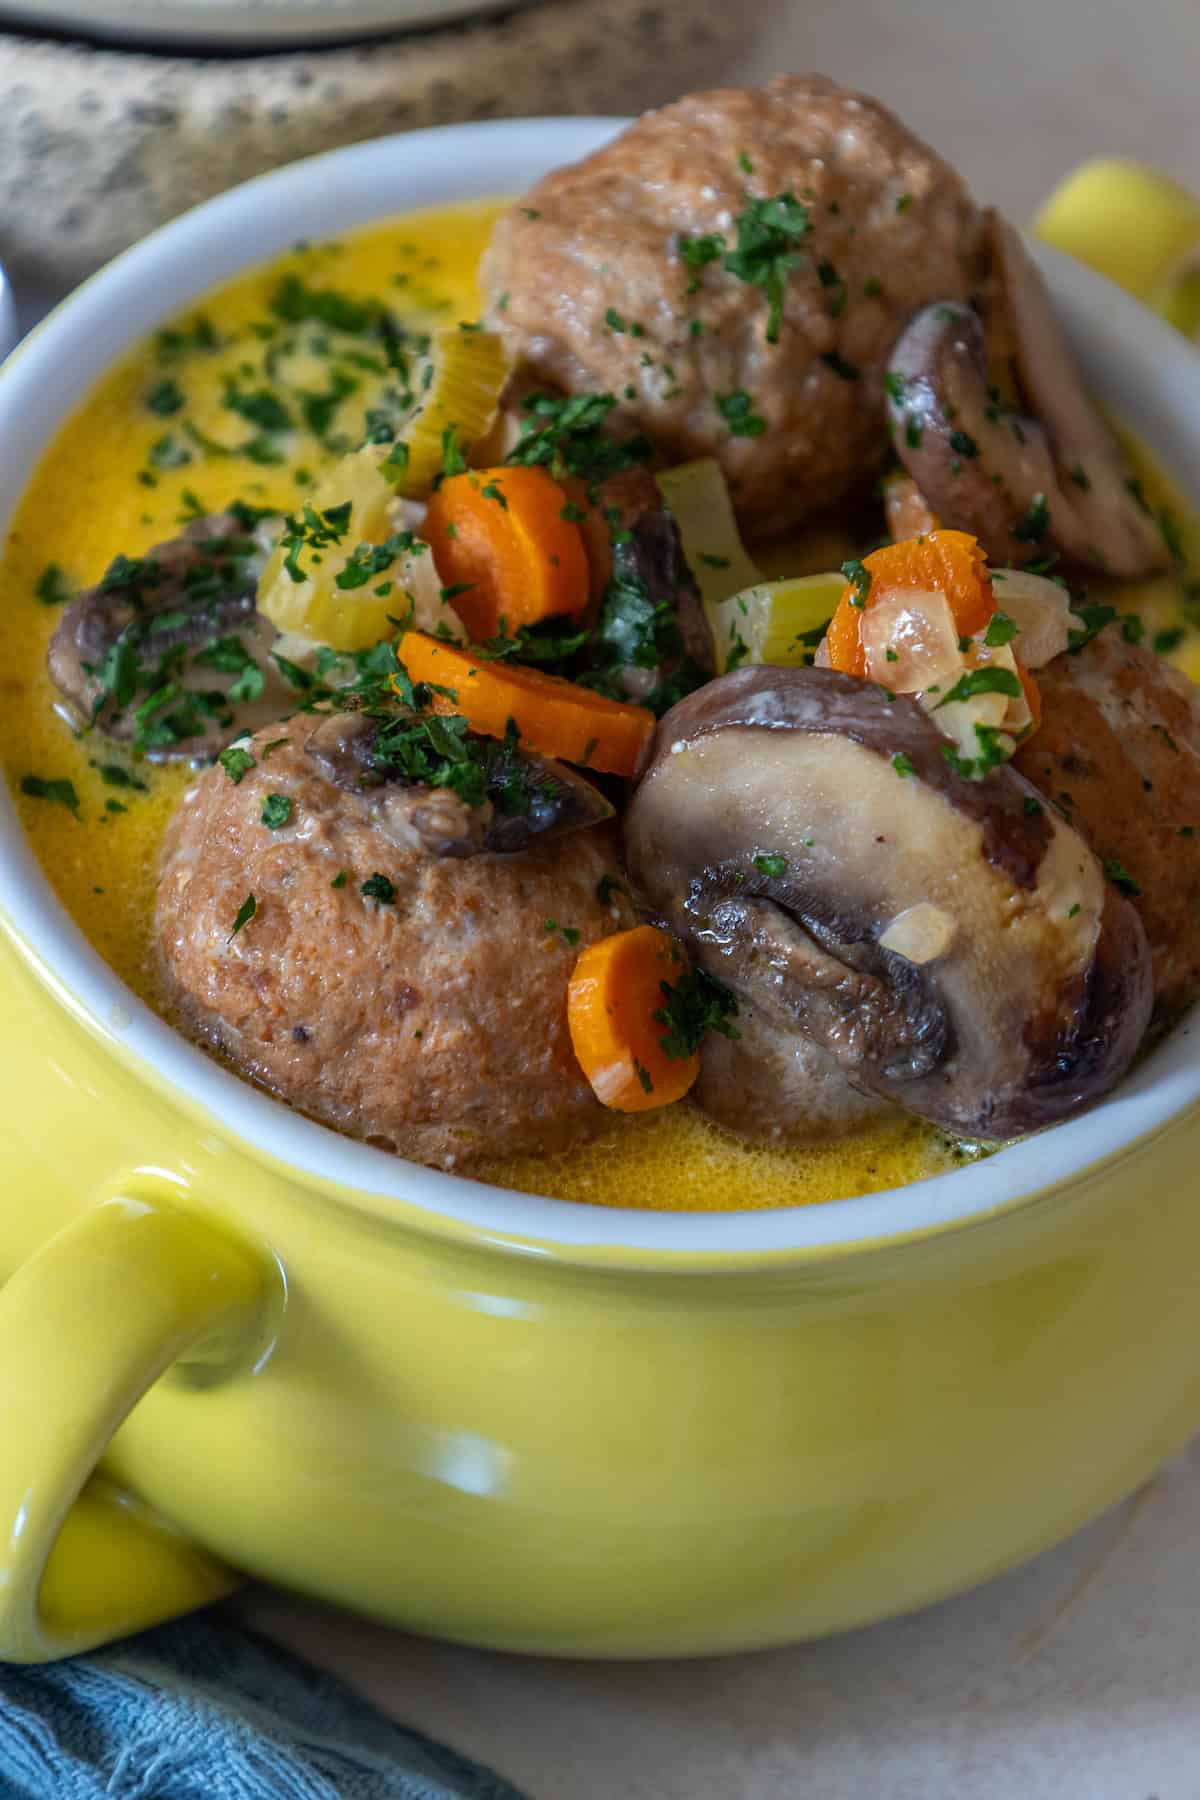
736	410
237	762
245	913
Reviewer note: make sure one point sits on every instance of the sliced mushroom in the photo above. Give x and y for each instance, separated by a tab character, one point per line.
528	799
652	617
1050	477
789	821
158	651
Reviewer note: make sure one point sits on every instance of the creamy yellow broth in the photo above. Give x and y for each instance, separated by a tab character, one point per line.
114	481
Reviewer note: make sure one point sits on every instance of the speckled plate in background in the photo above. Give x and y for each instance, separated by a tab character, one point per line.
99	143
231	22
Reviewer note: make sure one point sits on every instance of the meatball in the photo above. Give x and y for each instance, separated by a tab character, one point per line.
1118	751
431	1019
589	284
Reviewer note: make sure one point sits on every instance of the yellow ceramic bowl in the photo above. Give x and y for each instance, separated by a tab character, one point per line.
232	1340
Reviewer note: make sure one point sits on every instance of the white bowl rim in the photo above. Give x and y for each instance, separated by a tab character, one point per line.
1141	368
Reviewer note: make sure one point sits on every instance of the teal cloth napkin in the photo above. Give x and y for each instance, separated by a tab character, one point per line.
204	1710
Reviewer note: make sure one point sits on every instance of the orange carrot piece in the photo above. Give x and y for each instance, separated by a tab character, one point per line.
1033	698
949	562
612	997
554	717
500	535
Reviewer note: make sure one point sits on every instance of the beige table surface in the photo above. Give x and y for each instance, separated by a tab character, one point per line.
1077	1678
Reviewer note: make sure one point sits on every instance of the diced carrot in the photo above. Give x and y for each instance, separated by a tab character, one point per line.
948	562
905	507
499	535
612	998
554	717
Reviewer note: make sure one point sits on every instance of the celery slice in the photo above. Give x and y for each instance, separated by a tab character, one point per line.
458	394
699	502
779	622
356	617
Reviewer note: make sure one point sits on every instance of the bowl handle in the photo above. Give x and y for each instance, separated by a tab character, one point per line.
86	1326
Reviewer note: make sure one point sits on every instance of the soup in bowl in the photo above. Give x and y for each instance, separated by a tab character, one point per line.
308	793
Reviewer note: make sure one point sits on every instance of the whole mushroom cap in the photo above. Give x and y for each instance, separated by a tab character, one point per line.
952	943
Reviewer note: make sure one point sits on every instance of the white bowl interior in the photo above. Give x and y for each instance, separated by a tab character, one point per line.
1141	368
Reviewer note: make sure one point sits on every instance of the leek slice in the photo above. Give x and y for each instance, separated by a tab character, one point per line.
458	390
698	500
779	622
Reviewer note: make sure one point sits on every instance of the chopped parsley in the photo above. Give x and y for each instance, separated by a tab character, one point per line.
166	397
312	530
982	681
736	410
1033	808
1094	619
1001	630
992	751
692	1007
698	252
52	587
568	933
963	444
643	1076
1080	477
772	863
1032	528
569	437
378	887
903	765
340	879
276	811
606	887
61	791
859	577
1166	641
1133	628
1119	875
237	762
296	302
245	913
768	233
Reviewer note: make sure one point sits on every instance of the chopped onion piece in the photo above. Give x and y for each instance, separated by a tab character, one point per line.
920	934
1041	611
918	629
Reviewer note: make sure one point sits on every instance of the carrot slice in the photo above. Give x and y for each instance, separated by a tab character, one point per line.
612	998
1033	698
554	717
500	536
949	562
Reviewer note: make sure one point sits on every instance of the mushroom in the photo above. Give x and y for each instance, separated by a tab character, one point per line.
527	798
168	649
1023	482
951	943
652	620
773	1086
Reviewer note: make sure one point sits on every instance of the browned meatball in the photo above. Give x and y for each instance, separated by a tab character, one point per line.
434	1025
587	282
1119	751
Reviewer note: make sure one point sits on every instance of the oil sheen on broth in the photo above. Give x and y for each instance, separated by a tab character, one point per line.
156	441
